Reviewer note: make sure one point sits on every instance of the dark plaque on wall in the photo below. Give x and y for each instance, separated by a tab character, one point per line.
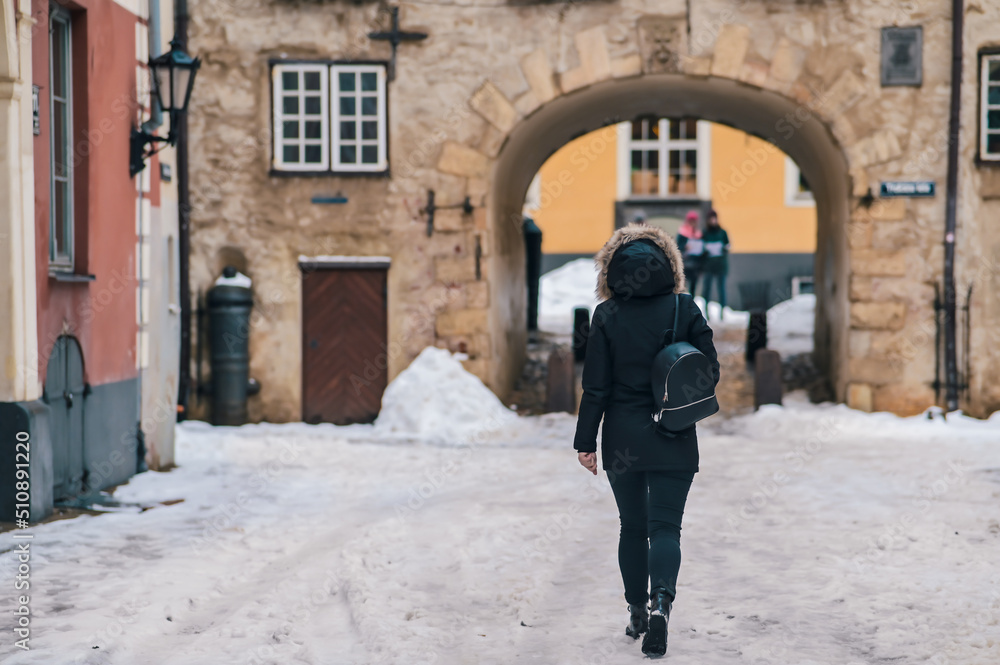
902	56
36	120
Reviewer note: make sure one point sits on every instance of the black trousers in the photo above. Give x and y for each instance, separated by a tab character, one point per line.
651	506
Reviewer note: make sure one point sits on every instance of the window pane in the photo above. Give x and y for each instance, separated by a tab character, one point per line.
687	181
60	128
993	96
291	129
314	154
312	80
675	128
290	153
290	80
369	130
673	171
290	105
368	82
993	119
313	106
348	130
346	80
993	144
803	184
644	129
645	172
314	129
994	70
348	154
60	226
347	106
369	105
369	154
59	58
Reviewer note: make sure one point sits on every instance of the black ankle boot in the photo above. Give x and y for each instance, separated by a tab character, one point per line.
639	622
655	642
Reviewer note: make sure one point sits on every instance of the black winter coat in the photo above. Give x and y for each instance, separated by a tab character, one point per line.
641	269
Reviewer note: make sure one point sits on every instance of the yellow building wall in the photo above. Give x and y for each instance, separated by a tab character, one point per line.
578	189
748	193
577	195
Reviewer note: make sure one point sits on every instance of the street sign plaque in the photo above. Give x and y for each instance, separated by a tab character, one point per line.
907	188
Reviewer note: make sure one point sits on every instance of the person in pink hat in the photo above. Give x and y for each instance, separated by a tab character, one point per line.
692	248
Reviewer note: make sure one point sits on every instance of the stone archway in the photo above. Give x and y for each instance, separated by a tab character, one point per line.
792	126
872	266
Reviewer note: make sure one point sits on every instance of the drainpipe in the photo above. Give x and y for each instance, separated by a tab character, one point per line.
184	229
951	205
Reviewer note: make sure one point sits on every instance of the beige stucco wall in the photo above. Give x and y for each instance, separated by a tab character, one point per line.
802	74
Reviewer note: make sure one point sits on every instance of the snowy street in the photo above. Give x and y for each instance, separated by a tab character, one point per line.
814	534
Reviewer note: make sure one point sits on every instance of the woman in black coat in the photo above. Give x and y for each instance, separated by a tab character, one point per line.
650	474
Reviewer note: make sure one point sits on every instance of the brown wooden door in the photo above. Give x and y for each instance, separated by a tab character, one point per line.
344	341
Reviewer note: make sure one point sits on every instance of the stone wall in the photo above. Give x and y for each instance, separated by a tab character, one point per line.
488	72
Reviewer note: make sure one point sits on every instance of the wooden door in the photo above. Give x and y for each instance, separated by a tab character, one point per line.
344	342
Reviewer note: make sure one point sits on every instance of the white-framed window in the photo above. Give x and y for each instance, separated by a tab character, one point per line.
797	191
60	140
329	117
989	104
663	158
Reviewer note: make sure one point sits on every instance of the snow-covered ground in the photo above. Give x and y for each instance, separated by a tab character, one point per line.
790	323
814	535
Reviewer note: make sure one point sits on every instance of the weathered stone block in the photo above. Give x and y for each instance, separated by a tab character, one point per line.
890	235
859	396
574	79
859	182
861	288
480	367
458	159
451	220
859	342
730	50
845	92
878	262
630	65
872	370
455	269
491	141
878	315
875	149
888	209
592	47
696	66
989	183
754	73
904	399
496	109
859	233
477	294
527	103
538	72
786	63
462	322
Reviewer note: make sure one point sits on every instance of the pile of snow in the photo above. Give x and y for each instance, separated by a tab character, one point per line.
563	289
436	399
724	317
790	325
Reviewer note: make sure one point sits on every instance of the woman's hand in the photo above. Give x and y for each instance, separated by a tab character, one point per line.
589	461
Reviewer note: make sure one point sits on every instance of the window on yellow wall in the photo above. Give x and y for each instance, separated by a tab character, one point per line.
664	157
797	191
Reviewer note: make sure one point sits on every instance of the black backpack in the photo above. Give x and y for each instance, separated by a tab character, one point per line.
682	382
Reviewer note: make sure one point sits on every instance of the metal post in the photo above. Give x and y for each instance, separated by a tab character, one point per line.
951	205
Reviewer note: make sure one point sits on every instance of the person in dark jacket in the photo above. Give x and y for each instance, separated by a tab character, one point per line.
716	266
640	271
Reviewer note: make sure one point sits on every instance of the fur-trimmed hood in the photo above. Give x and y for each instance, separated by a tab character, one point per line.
636	269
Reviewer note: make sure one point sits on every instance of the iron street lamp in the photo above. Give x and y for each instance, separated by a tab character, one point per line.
173	78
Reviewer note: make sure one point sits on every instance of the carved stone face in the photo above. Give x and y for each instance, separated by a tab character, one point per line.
661	41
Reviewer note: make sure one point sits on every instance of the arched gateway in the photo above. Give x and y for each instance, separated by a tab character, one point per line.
790	125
